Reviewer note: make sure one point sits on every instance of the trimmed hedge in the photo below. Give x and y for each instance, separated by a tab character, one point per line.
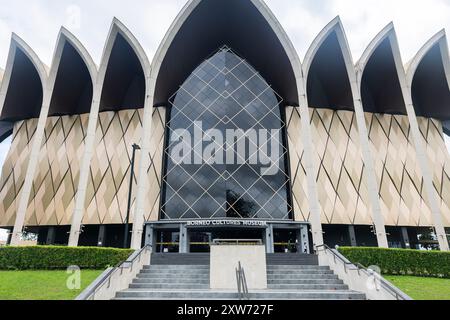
54	257
402	261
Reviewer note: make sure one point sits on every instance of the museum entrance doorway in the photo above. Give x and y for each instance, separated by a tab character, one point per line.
198	236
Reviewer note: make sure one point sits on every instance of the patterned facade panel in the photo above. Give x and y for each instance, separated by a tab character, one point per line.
298	173
156	164
342	188
14	170
439	160
107	195
340	173
402	195
54	185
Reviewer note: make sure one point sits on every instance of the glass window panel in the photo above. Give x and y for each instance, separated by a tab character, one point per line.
229	94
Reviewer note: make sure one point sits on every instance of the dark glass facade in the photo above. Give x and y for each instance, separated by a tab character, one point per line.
223	95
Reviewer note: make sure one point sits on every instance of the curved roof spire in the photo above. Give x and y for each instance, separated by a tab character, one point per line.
124	71
36	76
65	36
387	32
71	62
209	21
438	39
117	27
381	76
428	78
84	54
328	69
318	41
18	43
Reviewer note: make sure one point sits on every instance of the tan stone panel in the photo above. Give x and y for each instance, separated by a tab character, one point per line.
107	195
298	176
53	193
155	170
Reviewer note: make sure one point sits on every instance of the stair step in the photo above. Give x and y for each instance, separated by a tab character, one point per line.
296	267
300	276
168	286
180	259
291	259
171	281
169	276
176	267
299	272
303	287
144	294
305	281
186	272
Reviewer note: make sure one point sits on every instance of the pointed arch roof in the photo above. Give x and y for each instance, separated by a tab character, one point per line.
328	69
246	26
24	71
124	71
71	64
381	75
428	78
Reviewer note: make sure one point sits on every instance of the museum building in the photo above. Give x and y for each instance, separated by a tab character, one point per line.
346	153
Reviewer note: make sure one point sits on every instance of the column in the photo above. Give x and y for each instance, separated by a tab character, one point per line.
183	239
50	236
101	242
352	235
269	239
150	236
304	239
405	237
8	241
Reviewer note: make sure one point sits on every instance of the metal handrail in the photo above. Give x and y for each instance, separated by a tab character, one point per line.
106	277
399	295
241	283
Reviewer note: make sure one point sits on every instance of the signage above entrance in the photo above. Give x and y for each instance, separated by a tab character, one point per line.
243	223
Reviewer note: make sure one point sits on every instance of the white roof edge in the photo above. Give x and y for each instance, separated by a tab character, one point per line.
386	32
173	30
438	38
18	43
336	26
41	69
282	36
119	27
66	35
333	25
260	5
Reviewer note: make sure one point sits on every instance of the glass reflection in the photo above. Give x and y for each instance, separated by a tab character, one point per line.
225	92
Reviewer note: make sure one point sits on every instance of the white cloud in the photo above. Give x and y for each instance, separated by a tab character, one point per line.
38	21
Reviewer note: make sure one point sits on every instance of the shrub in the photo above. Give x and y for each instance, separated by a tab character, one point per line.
53	257
402	261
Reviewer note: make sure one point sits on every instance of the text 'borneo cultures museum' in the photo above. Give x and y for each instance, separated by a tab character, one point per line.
227	134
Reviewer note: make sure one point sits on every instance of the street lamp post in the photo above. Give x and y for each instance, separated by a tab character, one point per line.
130	191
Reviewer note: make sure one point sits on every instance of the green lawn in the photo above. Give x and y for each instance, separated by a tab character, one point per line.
422	288
41	285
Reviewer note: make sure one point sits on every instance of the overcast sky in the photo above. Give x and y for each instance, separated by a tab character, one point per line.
38	23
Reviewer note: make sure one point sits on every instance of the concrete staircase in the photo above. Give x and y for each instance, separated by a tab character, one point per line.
290	277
